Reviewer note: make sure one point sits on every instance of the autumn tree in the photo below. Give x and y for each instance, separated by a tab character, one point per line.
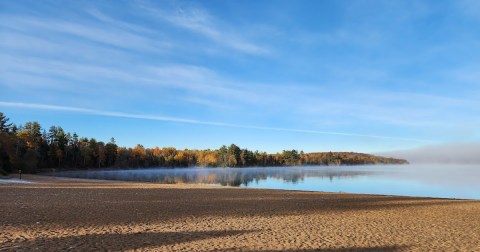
139	154
290	157
169	156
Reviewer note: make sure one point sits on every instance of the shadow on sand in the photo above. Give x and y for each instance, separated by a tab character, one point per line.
105	206
115	242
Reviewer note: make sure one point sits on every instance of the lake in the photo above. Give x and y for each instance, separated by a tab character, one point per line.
442	181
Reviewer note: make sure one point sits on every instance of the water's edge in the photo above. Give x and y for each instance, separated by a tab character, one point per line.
437	181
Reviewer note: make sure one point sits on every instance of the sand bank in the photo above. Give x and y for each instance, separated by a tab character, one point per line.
53	214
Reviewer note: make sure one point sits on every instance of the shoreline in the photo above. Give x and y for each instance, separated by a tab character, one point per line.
85	214
229	186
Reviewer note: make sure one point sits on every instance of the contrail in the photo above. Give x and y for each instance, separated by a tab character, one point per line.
192	121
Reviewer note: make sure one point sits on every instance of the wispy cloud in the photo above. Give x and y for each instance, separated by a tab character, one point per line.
101	16
206	87
194	121
395	108
200	83
107	35
199	21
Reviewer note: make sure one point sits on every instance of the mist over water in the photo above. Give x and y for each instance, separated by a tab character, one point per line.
448	153
443	181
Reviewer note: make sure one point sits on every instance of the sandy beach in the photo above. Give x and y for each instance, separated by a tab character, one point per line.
54	214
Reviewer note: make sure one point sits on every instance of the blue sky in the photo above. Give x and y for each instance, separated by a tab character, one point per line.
367	76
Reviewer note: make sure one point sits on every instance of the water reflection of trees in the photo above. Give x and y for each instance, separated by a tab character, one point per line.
225	177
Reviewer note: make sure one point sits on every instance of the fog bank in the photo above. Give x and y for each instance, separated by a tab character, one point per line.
460	153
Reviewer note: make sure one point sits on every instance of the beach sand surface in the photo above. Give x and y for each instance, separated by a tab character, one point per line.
56	214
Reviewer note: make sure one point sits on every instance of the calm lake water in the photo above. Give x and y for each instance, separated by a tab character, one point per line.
443	181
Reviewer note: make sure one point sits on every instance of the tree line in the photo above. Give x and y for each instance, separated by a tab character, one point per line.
31	148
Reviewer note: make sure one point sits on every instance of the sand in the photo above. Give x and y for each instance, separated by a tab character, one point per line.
55	214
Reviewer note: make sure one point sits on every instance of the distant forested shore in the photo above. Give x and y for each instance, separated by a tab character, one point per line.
31	148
